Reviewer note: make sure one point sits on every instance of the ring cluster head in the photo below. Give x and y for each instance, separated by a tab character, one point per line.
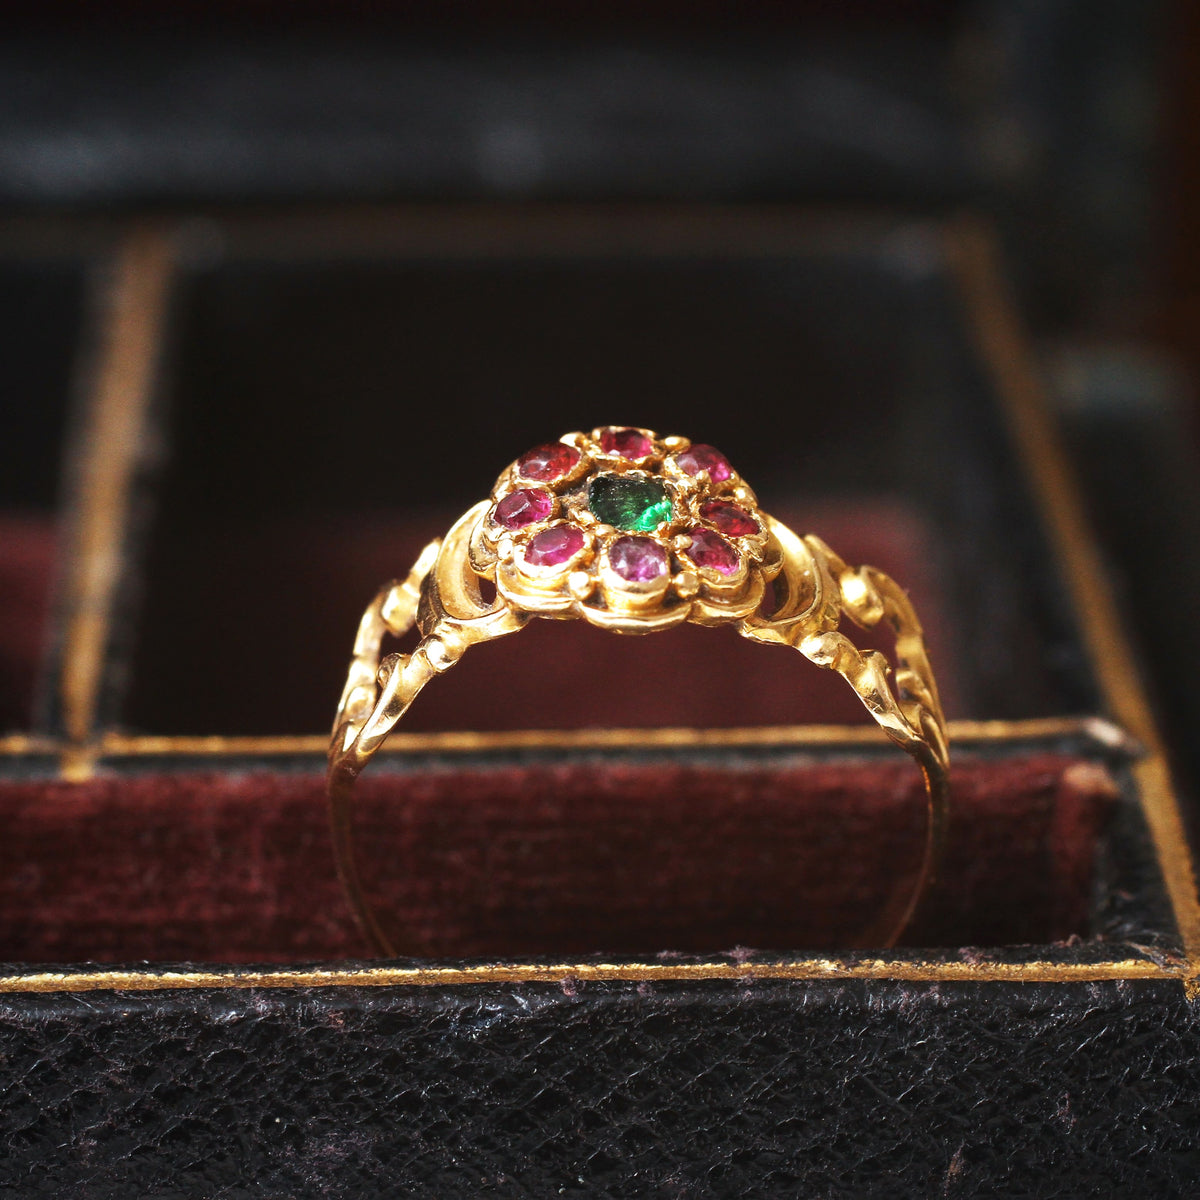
628	530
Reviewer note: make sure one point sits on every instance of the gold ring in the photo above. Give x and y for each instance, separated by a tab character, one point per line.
636	533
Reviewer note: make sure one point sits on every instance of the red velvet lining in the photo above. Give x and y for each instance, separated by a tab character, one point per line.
225	602
536	859
27	551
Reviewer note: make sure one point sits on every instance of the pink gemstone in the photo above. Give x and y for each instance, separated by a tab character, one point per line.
705	458
554	546
548	463
728	518
628	443
637	559
709	549
522	508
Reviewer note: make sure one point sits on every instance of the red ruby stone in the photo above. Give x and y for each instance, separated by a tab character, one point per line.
637	559
705	458
548	463
554	546
628	443
709	549
728	518
522	508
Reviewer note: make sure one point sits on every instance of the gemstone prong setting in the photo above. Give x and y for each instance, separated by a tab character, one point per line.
631	531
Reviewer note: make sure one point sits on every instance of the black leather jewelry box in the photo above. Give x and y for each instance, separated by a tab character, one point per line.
628	870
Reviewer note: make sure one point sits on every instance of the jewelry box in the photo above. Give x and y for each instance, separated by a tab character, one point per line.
627	873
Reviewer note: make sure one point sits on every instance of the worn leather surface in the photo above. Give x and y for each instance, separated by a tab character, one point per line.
626	1090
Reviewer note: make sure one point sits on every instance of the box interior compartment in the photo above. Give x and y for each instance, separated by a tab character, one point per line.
40	315
839	382
838	374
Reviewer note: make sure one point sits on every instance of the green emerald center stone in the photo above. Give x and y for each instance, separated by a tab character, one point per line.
629	502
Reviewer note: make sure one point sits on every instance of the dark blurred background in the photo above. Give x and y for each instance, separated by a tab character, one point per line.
1071	123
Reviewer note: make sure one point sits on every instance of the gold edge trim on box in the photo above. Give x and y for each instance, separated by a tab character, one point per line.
631	972
132	320
1099	731
14	745
973	256
1093	729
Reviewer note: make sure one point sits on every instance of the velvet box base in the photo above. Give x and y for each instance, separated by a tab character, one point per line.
628	858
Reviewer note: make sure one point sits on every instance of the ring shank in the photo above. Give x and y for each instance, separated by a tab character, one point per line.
818	591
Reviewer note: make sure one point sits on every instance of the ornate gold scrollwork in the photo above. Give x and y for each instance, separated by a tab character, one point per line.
815	591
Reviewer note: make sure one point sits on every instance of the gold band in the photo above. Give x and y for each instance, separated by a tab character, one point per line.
675	503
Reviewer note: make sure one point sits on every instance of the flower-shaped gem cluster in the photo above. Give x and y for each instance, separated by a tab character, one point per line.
627	529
